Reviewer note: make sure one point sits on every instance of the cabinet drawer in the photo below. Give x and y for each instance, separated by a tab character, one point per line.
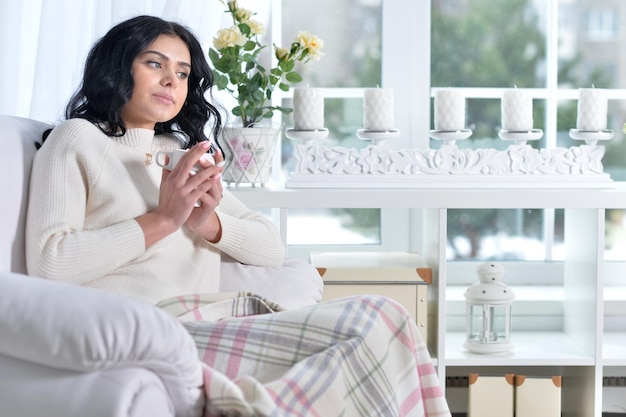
401	276
412	297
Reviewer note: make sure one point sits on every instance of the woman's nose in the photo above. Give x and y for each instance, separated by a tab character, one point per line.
169	77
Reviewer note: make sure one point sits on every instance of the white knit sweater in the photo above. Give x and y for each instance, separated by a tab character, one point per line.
87	188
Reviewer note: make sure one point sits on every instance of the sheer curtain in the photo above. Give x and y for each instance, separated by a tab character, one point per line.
44	44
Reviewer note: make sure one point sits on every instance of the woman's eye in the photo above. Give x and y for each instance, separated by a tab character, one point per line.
183	75
154	64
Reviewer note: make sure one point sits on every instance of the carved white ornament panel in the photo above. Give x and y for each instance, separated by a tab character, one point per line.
516	166
516	159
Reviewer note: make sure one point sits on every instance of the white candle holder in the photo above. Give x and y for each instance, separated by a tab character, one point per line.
591	137
517	111
592	110
520	137
378	109
306	136
449	110
377	136
449	137
308	109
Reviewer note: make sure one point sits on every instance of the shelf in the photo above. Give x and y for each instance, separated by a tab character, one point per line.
557	325
614	349
531	349
277	196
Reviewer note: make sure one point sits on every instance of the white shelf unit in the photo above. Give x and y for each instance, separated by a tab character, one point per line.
582	352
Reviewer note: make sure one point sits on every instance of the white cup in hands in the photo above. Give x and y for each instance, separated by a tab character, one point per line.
174	155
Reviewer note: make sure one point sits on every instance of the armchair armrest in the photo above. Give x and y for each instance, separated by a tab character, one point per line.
31	389
82	329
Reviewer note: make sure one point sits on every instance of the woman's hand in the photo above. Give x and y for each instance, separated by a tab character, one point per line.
203	220
179	193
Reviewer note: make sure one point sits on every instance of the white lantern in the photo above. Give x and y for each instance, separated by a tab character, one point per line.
488	309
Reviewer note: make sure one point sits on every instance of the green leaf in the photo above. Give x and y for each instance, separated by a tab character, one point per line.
289	66
284	110
220	81
249	45
304	54
283	86
245	29
293	77
214	56
258	96
255	81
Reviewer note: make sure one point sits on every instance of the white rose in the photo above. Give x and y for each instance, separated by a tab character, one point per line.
243	15
256	27
229	37
311	43
282	54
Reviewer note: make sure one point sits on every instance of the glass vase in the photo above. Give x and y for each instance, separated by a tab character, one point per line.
249	152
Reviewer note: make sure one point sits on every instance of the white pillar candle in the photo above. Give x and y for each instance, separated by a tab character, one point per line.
592	109
449	110
378	109
308	109
517	111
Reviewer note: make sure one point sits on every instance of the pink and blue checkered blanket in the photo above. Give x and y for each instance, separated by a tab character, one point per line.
359	356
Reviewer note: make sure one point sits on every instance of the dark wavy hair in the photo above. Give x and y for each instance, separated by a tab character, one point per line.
108	81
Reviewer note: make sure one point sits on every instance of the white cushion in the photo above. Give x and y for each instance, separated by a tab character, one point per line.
17	138
295	284
83	329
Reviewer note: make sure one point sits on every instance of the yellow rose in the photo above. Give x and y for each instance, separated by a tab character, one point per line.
243	15
256	27
282	54
229	37
232	5
311	43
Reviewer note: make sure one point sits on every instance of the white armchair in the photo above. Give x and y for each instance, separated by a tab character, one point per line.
72	351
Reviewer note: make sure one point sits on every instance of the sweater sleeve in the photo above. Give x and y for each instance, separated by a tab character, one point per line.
57	244
248	236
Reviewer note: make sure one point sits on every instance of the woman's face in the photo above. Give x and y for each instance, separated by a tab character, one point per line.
160	74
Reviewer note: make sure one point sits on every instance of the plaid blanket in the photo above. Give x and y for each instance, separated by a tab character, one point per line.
358	356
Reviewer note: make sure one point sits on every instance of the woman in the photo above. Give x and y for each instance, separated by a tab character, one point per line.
103	210
102	214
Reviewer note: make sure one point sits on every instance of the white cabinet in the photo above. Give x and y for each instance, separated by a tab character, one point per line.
582	352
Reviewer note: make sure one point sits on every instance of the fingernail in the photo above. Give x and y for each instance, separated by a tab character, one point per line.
220	164
205	144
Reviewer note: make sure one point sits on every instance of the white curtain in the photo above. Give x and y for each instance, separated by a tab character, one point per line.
43	44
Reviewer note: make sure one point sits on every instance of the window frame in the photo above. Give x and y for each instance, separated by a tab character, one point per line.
407	72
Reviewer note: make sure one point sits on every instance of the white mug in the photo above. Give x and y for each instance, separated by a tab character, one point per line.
174	155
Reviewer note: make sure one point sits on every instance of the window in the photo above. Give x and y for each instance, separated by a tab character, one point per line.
601	24
504	235
544	46
352	61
